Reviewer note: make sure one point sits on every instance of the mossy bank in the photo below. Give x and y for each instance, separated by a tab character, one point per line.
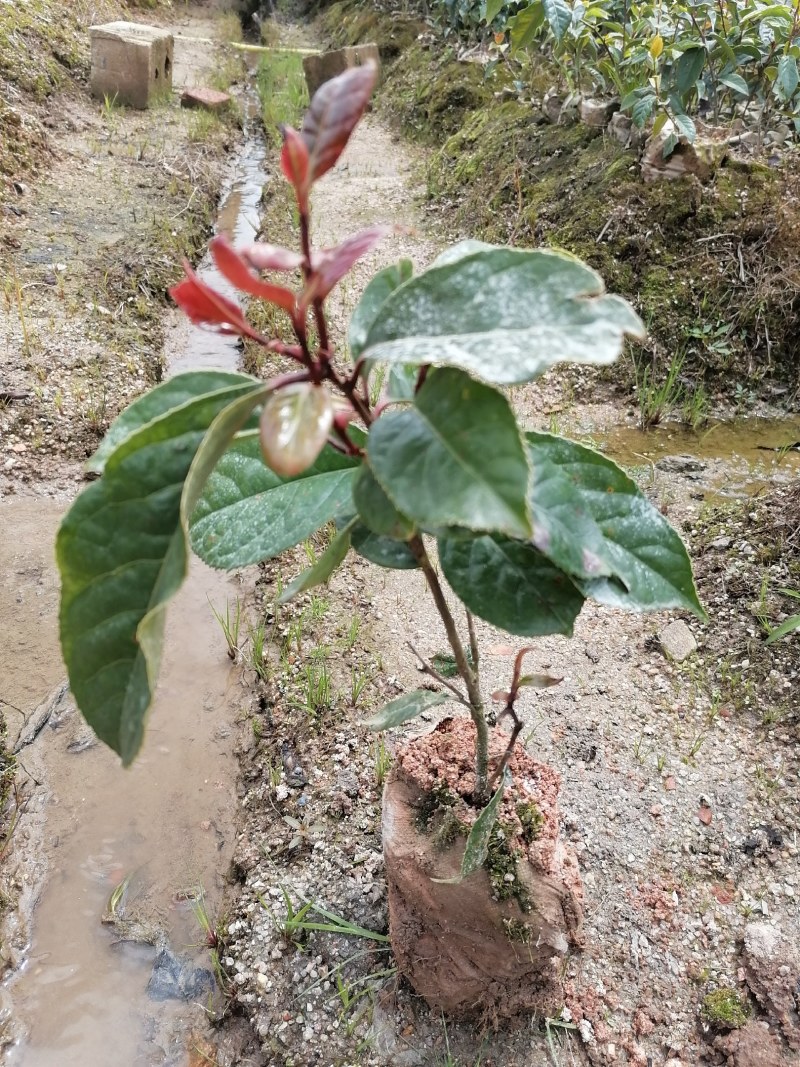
714	269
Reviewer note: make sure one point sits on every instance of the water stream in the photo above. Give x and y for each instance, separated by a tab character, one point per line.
81	1000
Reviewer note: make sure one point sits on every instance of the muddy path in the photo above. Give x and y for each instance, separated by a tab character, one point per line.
647	749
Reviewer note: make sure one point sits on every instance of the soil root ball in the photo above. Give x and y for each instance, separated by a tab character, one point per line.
491	946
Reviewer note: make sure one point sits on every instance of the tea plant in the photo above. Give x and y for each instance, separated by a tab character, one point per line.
701	57
526	525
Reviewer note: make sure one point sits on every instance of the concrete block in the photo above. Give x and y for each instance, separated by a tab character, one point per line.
321	68
131	63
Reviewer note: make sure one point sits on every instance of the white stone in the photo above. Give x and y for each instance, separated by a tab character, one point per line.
677	641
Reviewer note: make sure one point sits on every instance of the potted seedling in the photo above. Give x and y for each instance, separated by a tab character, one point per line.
437	476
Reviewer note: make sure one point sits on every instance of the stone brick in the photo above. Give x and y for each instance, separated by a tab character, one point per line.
209	99
321	68
131	62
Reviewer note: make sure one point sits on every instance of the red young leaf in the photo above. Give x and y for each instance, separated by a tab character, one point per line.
295	163
206	307
333	114
331	264
233	267
262	256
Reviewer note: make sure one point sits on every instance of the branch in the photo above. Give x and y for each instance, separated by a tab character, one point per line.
515	732
428	669
468	676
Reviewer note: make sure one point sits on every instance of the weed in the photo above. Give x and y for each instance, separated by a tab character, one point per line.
304	832
230	623
696	407
203	125
351	636
316	691
382	761
197	901
258	650
551	1027
724	1009
696	745
657	399
317	608
282	89
638	754
359	680
293	637
298	922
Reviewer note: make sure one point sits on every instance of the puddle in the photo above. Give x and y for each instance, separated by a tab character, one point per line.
168	821
737	458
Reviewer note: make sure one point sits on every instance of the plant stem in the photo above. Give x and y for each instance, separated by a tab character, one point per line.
469	676
426	668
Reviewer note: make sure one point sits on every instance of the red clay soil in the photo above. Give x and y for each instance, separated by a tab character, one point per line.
467	952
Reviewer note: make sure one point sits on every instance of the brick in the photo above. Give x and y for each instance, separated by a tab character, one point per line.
131	63
210	99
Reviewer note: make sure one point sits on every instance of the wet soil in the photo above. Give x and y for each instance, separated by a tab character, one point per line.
162	833
680	782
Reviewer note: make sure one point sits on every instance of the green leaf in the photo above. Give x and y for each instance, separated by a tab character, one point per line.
404	708
511	585
320	572
688	69
376	510
559	15
382	551
247	513
479	836
402	381
685	127
295	424
504	314
493	9
525	25
563	526
737	83
454	457
122	554
372	300
788	78
772	11
788	626
181	389
639	546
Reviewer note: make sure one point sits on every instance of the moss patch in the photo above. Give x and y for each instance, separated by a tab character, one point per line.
501	866
512	178
724	1009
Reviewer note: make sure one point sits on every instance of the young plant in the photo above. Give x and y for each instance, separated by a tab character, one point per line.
526	525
